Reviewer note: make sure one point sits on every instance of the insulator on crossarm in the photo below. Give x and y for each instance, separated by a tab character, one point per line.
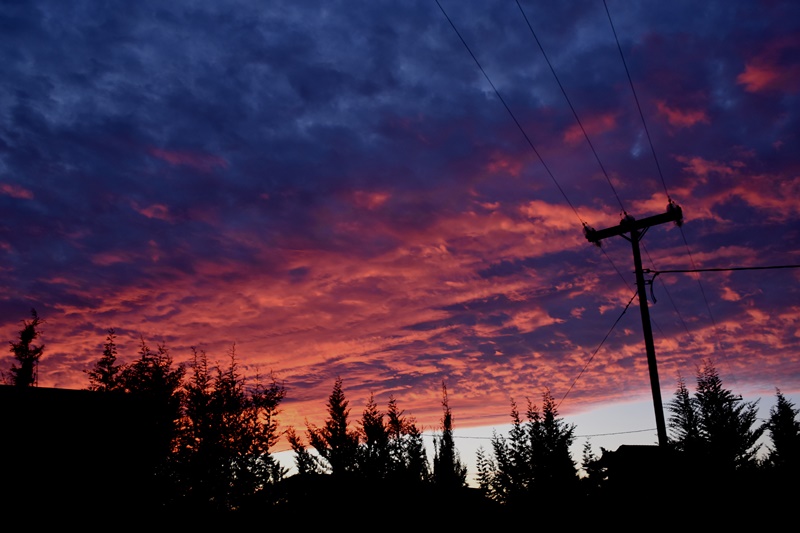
672	207
589	233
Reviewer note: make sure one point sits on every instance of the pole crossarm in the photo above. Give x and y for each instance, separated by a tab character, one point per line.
629	224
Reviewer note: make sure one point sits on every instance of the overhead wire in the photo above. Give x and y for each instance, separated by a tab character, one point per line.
636	98
479	437
575	113
521	129
661	173
669	296
541	159
727	269
585	366
624	280
594	151
591	145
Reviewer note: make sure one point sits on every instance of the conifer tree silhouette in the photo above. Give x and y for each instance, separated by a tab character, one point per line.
373	454
783	428
26	354
157	383
715	431
105	374
226	435
534	462
407	460
448	470
335	442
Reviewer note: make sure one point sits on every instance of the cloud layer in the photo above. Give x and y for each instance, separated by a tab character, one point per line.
337	190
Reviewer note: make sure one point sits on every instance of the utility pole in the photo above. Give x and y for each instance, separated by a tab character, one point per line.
637	229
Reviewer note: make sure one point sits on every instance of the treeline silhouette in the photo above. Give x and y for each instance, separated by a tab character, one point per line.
204	451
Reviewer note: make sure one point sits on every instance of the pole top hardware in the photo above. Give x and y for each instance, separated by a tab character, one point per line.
629	224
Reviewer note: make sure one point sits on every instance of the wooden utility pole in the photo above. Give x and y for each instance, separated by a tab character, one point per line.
637	229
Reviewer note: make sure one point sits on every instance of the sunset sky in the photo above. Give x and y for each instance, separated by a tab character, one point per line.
336	188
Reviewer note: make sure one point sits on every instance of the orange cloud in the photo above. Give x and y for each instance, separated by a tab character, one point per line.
593	125
15	191
157	211
110	258
197	160
503	164
681	118
775	68
370	200
774	195
730	295
527	321
703	167
385	320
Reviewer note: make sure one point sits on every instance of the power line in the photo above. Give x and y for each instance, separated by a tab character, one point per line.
636	98
575	113
729	269
477	437
615	267
596	350
588	140
530	143
541	159
615	433
661	174
669	296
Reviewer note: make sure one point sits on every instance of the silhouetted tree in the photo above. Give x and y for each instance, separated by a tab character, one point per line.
534	462
783	427
196	460
407	460
486	467
554	470
715	430
594	473
226	436
265	399
515	458
305	463
158	384
26	354
104	376
727	421
417	468
684	420
374	449
506	476
336	443
448	470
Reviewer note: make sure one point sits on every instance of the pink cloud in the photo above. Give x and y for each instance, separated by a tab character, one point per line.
774	68
348	310
730	295
157	211
370	200
681	118
703	167
501	163
197	160
774	194
110	258
595	124
15	191
778	203
530	320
